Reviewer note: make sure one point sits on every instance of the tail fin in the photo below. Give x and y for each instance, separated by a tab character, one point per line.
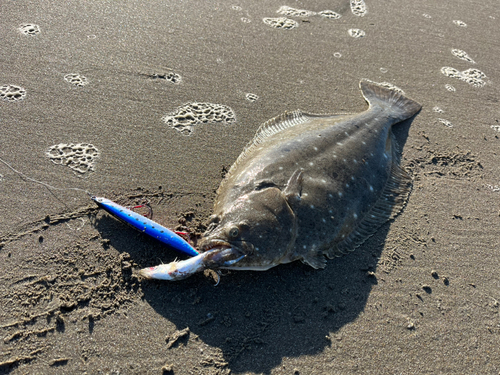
400	107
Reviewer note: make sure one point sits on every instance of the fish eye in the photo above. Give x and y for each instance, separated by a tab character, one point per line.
234	232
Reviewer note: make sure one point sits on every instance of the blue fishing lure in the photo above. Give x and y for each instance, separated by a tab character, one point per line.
146	225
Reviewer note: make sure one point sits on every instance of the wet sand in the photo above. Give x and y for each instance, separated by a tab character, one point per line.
421	296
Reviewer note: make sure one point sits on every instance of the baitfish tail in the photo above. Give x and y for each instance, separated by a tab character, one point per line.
399	106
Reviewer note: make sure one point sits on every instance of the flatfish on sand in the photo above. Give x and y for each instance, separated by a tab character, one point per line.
307	186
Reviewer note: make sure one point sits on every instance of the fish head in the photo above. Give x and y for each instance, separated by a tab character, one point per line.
253	233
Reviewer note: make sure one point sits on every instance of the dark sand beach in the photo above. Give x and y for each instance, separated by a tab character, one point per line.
422	296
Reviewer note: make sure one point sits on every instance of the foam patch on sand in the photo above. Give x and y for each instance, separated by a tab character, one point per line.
460	23
462	55
292	12
29	29
251	97
76	79
281	23
358	8
12	93
80	157
450	88
472	76
330	14
186	117
169	77
445	122
356	33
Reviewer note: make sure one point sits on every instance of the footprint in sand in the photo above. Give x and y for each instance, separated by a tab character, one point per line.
186	117
80	157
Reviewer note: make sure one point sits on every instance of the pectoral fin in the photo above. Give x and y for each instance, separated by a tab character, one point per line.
293	189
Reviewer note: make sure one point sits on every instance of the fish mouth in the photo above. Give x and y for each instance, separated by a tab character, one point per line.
215	244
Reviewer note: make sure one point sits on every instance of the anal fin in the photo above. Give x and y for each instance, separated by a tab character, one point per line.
315	259
390	203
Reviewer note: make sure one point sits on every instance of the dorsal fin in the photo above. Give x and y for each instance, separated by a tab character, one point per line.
273	126
278	124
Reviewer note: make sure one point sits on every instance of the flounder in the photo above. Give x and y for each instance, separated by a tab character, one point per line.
307	186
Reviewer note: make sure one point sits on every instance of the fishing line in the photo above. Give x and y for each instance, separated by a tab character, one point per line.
44	183
136	220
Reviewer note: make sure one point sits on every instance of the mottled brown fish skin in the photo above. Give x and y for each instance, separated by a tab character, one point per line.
312	185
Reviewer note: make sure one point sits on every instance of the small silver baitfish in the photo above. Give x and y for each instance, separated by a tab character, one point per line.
307	186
